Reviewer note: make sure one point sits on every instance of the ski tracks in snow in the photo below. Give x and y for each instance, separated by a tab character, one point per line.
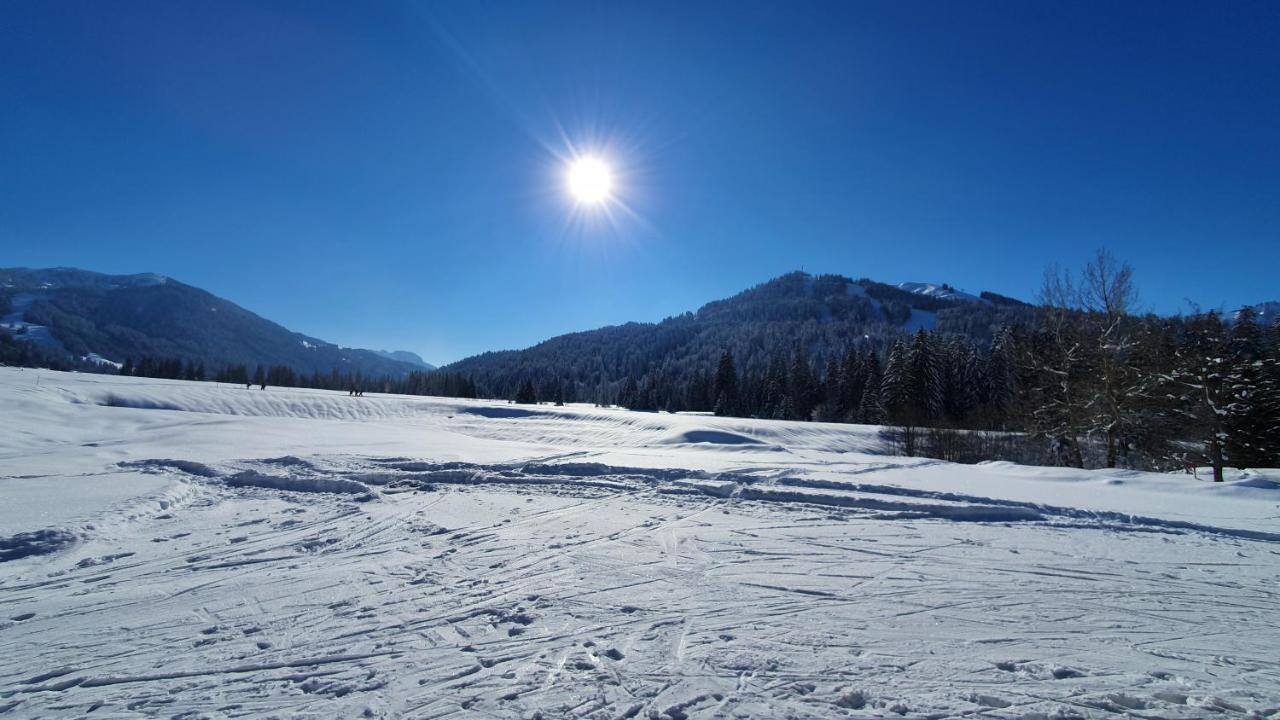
525	590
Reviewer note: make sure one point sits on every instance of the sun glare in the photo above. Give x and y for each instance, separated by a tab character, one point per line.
590	181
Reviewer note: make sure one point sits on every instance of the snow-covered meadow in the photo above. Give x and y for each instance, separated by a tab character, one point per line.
180	549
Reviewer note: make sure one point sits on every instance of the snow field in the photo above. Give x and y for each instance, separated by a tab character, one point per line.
307	554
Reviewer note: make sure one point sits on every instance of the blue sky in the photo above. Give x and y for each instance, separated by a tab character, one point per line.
388	174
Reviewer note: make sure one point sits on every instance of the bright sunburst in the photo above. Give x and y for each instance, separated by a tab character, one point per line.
590	180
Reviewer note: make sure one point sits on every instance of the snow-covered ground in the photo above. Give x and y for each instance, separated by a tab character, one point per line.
183	549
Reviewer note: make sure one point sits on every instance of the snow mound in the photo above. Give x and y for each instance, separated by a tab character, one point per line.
114	400
189	467
501	412
957	512
715	488
39	542
287	461
251	478
707	436
222	399
1259	482
594	469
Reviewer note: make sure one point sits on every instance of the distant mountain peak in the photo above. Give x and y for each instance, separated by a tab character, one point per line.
1267	313
69	277
110	318
406	356
941	291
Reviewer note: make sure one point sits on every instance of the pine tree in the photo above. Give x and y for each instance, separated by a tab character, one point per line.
1200	379
925	385
828	407
775	390
894	387
726	386
1157	430
1252	421
853	382
960	380
801	388
1001	379
870	408
527	395
900	394
629	396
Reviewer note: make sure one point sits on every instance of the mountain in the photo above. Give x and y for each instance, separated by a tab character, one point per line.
822	314
946	292
406	356
93	317
1268	312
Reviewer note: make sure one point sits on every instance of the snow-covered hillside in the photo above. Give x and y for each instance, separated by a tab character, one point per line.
942	292
182	549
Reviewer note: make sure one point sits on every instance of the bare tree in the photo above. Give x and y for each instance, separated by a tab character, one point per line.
1060	368
1107	286
1108	296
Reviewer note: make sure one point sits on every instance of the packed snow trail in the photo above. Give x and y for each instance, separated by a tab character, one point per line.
439	559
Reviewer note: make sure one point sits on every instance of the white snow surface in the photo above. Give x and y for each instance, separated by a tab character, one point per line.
174	549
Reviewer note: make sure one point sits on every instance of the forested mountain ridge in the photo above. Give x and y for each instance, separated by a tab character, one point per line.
79	317
821	315
1081	379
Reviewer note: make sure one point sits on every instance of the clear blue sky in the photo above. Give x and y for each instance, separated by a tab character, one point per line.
386	174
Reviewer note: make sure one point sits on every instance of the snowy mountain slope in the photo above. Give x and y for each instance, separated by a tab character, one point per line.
942	292
310	554
12	321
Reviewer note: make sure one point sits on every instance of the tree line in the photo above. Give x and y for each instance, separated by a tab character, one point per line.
1082	381
1079	379
1089	382
441	384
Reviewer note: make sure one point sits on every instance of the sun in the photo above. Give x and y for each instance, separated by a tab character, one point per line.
590	180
